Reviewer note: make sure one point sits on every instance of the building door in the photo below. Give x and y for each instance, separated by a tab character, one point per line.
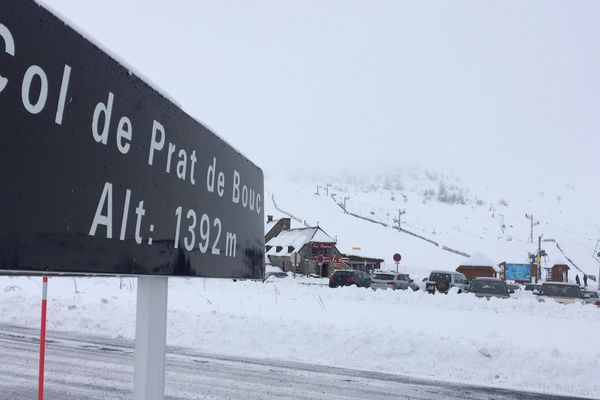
325	271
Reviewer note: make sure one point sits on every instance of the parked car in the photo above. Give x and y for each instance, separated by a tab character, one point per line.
349	277
275	274
393	280
564	293
533	286
513	286
489	287
442	281
593	299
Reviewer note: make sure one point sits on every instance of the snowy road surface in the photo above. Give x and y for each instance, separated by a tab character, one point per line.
88	367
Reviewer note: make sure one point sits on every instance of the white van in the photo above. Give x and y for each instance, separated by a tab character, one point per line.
442	281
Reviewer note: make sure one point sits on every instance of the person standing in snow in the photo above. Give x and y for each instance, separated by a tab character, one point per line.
577	280
585	280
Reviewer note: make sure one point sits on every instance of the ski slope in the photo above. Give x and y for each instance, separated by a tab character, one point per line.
483	220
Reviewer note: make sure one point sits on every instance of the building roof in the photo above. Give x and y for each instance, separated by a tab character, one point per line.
270	225
556	260
297	238
477	259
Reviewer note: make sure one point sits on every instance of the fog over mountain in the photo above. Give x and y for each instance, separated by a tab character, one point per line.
504	94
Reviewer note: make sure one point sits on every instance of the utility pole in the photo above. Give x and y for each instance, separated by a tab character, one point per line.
597	258
539	255
541	252
345	198
530	218
317	193
327	189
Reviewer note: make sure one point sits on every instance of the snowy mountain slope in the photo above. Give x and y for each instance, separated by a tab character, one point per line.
440	208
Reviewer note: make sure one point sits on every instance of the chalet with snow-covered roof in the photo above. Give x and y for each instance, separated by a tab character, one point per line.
309	243
477	265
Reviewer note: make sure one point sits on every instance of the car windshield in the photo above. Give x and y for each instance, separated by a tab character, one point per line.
384	277
436	276
403	277
532	287
593	295
492	287
560	291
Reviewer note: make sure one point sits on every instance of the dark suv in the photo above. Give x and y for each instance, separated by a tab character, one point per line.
349	277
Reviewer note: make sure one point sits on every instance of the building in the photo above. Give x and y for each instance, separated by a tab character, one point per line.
477	265
309	243
559	272
359	263
273	227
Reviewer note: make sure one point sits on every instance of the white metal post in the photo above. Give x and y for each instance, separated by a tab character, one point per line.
150	338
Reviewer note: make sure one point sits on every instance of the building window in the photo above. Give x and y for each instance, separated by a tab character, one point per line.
278	248
290	249
268	248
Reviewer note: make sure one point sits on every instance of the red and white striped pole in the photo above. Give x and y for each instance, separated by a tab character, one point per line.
43	338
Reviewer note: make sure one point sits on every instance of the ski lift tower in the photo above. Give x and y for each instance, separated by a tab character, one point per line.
597	258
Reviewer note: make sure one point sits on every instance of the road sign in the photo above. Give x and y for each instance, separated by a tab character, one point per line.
101	174
397	257
320	259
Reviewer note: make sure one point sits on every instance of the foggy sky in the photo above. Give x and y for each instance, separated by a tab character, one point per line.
505	90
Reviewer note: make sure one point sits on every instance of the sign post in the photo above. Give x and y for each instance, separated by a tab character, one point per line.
597	258
43	339
100	173
150	338
295	261
320	261
397	258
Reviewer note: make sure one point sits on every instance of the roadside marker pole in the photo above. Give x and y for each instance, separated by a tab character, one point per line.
43	338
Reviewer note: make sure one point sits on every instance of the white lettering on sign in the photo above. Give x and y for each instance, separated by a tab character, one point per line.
157	144
32	72
124	131
249	197
104	219
210	179
104	110
64	87
154	143
9	48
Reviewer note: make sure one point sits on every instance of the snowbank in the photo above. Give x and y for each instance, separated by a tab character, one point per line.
515	343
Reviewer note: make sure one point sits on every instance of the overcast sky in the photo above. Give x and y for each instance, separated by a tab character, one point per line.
501	89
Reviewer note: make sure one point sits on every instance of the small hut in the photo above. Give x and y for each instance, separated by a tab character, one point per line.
559	272
477	265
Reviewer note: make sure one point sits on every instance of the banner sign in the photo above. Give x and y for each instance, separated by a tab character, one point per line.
322	246
101	174
517	272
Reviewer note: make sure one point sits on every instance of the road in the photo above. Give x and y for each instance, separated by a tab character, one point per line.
87	367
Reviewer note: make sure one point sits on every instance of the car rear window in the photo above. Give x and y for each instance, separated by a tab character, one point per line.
384	277
436	276
341	274
492	287
560	290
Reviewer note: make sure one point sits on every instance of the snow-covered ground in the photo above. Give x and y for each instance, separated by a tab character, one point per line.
515	343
